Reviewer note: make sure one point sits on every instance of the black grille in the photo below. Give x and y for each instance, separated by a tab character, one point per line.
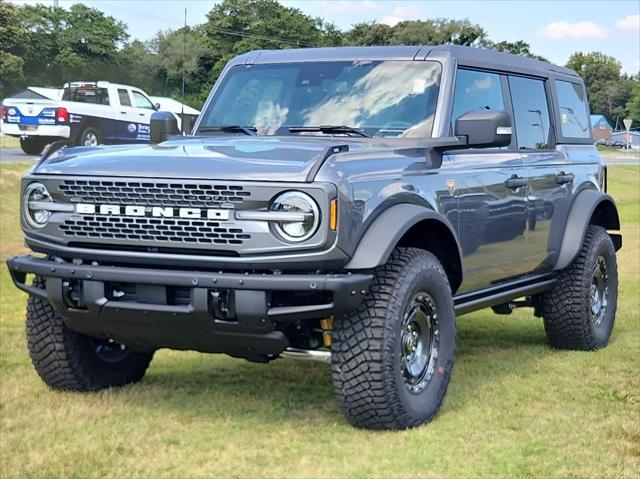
167	230
152	193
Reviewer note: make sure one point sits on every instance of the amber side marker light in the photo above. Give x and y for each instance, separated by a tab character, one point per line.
333	214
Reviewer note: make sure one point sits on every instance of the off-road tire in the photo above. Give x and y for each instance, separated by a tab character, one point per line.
566	308
366	346
67	360
86	132
33	145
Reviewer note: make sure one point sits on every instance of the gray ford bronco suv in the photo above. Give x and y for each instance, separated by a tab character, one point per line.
337	204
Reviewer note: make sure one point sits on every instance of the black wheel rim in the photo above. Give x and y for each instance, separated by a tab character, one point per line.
599	291
110	351
419	342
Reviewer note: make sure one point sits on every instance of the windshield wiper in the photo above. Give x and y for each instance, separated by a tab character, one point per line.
328	129
247	130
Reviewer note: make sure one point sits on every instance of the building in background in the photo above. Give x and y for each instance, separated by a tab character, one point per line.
621	136
601	129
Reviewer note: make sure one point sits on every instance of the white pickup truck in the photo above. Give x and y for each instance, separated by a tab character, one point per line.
89	113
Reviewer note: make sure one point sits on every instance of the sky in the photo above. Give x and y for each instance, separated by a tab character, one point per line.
554	28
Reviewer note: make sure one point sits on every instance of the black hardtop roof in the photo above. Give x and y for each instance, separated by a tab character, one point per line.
466	56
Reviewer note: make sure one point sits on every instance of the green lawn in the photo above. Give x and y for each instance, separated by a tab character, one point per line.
514	407
9	142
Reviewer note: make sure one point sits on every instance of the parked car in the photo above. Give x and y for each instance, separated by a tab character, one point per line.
89	114
338	204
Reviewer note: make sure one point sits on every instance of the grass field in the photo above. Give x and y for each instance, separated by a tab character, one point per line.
515	408
9	142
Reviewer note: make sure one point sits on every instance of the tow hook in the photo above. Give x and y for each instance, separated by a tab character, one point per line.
222	305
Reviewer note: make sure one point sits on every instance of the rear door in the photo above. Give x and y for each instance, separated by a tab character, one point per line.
135	111
549	174
489	188
143	111
127	128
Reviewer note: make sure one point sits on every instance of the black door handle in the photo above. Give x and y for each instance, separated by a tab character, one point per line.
123	112
140	114
563	178
515	182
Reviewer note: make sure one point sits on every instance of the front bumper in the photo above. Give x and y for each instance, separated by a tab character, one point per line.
220	312
57	131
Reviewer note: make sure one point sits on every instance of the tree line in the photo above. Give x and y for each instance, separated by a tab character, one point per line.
47	46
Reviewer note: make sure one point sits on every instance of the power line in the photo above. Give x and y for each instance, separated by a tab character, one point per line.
260	37
157	18
224	31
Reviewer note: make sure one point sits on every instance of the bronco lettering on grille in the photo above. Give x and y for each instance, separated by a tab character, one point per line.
153	211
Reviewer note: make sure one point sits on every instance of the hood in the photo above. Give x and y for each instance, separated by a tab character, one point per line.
293	159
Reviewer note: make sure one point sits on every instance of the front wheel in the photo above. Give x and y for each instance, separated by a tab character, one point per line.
392	359
71	361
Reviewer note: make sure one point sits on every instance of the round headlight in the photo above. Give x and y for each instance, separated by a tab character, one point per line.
308	212
34	196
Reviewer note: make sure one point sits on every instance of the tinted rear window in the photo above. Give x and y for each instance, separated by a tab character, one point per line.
98	96
572	102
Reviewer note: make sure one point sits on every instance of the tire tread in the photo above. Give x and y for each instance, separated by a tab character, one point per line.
359	370
567	322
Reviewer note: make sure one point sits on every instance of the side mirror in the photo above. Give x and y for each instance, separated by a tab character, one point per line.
484	128
156	107
163	125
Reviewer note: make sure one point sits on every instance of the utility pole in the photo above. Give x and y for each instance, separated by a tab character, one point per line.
184	55
56	3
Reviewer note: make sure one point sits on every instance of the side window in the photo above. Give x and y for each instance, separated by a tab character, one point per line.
123	96
572	102
530	112
141	101
476	91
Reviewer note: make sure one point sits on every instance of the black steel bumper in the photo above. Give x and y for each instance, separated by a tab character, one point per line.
220	312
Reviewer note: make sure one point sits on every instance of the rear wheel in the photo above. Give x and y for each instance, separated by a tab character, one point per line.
32	145
580	310
72	361
392	359
90	136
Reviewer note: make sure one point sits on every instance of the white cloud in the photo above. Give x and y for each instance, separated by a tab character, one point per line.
629	24
562	30
402	13
348	6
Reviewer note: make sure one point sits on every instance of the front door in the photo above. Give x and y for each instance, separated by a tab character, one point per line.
491	194
490	191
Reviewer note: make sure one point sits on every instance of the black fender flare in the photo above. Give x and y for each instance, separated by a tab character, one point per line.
581	215
387	230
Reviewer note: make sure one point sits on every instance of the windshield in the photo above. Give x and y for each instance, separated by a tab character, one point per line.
379	98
